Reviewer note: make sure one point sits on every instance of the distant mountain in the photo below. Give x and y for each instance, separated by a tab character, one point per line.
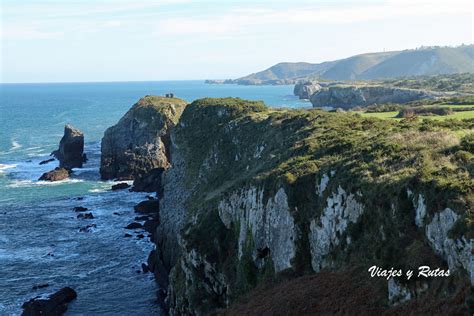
414	62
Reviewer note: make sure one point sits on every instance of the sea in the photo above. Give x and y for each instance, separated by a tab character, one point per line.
41	240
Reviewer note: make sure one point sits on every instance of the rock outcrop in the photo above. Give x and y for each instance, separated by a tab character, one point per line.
137	144
347	97
304	90
54	305
71	149
57	174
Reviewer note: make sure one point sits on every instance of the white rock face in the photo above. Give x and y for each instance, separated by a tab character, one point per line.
456	252
325	234
397	293
270	225
420	207
321	187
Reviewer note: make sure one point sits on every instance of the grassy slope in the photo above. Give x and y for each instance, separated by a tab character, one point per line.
456	115
379	158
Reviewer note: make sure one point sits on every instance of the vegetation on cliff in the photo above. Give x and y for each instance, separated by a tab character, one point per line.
137	143
230	144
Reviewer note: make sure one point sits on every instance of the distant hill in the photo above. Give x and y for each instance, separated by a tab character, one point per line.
414	62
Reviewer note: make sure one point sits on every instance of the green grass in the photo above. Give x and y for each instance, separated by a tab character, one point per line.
461	115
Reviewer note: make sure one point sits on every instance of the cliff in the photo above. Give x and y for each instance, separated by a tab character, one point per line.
304	90
258	197
350	96
137	144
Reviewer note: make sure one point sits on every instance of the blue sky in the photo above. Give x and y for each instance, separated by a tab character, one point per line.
119	40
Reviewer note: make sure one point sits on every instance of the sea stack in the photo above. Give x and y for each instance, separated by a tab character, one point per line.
138	143
71	149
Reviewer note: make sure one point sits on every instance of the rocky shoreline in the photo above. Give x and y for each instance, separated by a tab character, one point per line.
243	197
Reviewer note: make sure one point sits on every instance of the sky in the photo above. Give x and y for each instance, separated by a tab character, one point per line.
124	40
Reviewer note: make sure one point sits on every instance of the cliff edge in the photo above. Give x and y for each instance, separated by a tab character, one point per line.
137	144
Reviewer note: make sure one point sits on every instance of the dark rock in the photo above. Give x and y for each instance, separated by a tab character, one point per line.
140	236
150	182
46	161
85	216
147	207
138	142
145	268
55	304
120	186
71	149
150	197
127	235
263	252
40	286
80	198
55	175
134	225
155	264
80	209
117	213
88	228
150	225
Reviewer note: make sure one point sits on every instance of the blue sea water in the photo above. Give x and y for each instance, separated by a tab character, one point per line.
40	241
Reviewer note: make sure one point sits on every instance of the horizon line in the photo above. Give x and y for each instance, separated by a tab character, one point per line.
102	81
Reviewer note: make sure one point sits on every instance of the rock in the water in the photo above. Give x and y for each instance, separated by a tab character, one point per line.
120	186
127	235
134	225
57	174
140	236
145	268
55	304
347	97
138	143
80	209
150	182
46	161
85	216
71	148
150	206
88	228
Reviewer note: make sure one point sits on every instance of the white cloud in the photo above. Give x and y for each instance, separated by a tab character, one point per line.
247	19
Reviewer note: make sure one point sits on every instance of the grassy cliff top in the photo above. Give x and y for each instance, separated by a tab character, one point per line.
236	105
156	110
255	143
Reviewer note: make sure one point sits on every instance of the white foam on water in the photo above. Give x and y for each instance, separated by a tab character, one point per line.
15	145
5	167
98	190
30	183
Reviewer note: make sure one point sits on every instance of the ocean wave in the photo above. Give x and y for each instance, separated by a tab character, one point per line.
15	145
31	183
98	190
4	167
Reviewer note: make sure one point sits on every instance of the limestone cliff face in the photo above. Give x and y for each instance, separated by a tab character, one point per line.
137	144
347	97
304	90
256	195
